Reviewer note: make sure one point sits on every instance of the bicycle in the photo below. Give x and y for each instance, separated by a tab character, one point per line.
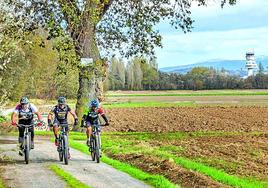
95	142
26	145
63	147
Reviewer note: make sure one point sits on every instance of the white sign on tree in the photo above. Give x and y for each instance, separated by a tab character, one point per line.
86	61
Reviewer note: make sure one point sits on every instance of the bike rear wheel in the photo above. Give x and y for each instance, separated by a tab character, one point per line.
65	149
27	146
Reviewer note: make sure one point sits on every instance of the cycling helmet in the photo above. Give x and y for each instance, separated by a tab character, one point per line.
94	103
24	100
61	100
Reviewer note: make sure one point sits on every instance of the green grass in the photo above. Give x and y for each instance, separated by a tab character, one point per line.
129	143
68	178
146	136
219	175
196	93
148	104
1	183
154	180
113	144
2	119
218	162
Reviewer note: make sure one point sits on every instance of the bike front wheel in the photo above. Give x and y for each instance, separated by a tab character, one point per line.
60	149
97	148
92	148
27	146
65	149
60	152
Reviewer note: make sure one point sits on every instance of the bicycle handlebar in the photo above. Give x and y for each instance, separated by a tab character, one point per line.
23	125
65	125
101	125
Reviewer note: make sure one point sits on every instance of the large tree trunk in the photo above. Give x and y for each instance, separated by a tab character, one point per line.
90	81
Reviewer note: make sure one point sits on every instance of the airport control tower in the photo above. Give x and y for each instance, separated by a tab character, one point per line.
250	63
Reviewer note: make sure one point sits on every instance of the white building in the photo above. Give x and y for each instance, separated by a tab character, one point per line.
250	63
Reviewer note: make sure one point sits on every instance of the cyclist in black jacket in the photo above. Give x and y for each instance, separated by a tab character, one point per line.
60	113
91	115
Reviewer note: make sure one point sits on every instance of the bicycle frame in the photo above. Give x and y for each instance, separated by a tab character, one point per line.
26	141
95	142
63	147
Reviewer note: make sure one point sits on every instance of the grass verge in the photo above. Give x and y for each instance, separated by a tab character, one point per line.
148	104
68	178
219	175
190	94
125	145
154	180
1	183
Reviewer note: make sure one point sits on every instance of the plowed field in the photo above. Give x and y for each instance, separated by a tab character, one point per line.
188	119
230	139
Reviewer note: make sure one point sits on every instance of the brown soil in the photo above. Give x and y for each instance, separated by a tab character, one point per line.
176	174
157	119
246	155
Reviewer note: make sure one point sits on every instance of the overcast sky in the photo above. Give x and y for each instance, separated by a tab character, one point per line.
218	34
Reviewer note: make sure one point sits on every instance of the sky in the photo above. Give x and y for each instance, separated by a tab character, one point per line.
218	33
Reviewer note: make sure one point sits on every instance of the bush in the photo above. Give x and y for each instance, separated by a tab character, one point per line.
2	119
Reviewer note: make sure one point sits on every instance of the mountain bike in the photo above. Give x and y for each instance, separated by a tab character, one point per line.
63	147
95	142
26	144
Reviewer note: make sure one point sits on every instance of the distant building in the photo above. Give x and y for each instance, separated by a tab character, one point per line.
250	63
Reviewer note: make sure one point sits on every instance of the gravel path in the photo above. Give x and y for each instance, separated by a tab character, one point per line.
36	174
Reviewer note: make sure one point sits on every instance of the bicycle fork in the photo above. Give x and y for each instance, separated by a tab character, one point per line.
27	142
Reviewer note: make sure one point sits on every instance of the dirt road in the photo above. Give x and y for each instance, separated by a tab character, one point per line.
37	174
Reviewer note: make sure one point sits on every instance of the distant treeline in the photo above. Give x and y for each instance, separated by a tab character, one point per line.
142	74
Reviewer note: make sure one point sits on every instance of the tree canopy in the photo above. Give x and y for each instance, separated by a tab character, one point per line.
83	27
126	26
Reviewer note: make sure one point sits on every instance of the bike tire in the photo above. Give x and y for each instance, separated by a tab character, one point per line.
65	149
27	148
92	143
60	151
60	156
97	148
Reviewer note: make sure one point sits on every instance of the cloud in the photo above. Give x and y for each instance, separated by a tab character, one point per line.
219	33
201	46
245	14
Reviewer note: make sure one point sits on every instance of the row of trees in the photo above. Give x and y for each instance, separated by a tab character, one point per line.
33	67
142	74
138	74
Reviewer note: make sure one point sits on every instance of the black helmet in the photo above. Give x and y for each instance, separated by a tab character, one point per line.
94	103
24	100
61	100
